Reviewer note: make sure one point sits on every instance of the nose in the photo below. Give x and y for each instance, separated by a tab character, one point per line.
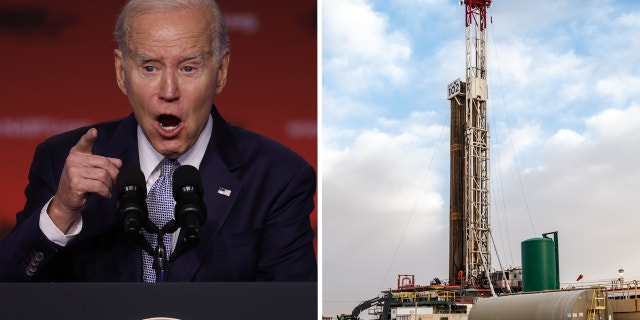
169	87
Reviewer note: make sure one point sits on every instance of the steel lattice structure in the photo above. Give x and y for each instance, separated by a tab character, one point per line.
470	255
476	196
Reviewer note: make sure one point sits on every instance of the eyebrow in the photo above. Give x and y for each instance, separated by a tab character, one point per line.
198	57
144	58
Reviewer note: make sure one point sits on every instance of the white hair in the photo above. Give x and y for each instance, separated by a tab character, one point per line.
218	29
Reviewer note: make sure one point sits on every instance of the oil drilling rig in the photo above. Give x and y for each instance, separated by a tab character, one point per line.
470	276
469	238
469	242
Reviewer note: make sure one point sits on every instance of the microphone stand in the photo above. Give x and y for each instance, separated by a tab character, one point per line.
160	259
161	263
158	254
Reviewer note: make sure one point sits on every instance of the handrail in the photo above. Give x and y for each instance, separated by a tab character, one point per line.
635	288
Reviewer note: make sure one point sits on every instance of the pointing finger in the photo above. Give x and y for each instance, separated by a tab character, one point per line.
85	144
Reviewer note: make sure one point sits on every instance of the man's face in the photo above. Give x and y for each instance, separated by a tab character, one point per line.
170	76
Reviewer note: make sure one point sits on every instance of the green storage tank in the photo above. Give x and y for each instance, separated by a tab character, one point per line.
540	264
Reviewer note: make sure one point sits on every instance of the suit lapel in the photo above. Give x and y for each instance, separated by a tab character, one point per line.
221	189
219	206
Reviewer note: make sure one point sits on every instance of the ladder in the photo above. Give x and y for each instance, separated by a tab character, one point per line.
598	304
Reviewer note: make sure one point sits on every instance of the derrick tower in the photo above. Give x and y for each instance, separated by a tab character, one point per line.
469	242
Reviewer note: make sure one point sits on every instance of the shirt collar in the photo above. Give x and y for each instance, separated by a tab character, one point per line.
150	158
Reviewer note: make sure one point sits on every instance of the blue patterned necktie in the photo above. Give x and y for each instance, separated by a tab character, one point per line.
161	204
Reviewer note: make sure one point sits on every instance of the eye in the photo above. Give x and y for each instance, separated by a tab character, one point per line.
188	68
148	68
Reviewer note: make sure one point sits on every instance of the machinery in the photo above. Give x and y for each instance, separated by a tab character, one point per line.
381	305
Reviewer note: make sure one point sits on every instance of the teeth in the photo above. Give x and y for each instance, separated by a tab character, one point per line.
168	127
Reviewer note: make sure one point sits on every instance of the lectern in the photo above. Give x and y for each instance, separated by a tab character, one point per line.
137	301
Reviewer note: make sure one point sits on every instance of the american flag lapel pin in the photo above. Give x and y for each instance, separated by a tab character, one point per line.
224	191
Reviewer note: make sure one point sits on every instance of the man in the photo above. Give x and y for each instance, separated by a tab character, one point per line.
173	58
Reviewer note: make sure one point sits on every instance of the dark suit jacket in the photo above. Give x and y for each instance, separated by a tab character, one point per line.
260	232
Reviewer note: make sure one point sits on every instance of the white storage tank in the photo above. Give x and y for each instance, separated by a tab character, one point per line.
550	305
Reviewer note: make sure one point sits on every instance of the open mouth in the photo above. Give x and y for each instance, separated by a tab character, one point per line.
169	122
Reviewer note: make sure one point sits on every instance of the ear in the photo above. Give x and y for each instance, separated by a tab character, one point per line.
223	69
119	64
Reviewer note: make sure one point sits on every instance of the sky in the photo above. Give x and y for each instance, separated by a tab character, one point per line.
564	112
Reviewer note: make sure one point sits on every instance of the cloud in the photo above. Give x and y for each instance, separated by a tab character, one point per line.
519	141
381	195
360	48
616	87
563	66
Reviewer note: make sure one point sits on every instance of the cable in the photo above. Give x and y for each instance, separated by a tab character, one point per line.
515	159
415	203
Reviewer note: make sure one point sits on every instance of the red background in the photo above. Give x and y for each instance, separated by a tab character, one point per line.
57	73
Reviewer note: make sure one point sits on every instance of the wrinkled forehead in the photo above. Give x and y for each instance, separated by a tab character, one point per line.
179	27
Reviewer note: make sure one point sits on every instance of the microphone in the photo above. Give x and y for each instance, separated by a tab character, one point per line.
132	191
131	210
190	210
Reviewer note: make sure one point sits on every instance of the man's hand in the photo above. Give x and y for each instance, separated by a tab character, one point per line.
84	173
